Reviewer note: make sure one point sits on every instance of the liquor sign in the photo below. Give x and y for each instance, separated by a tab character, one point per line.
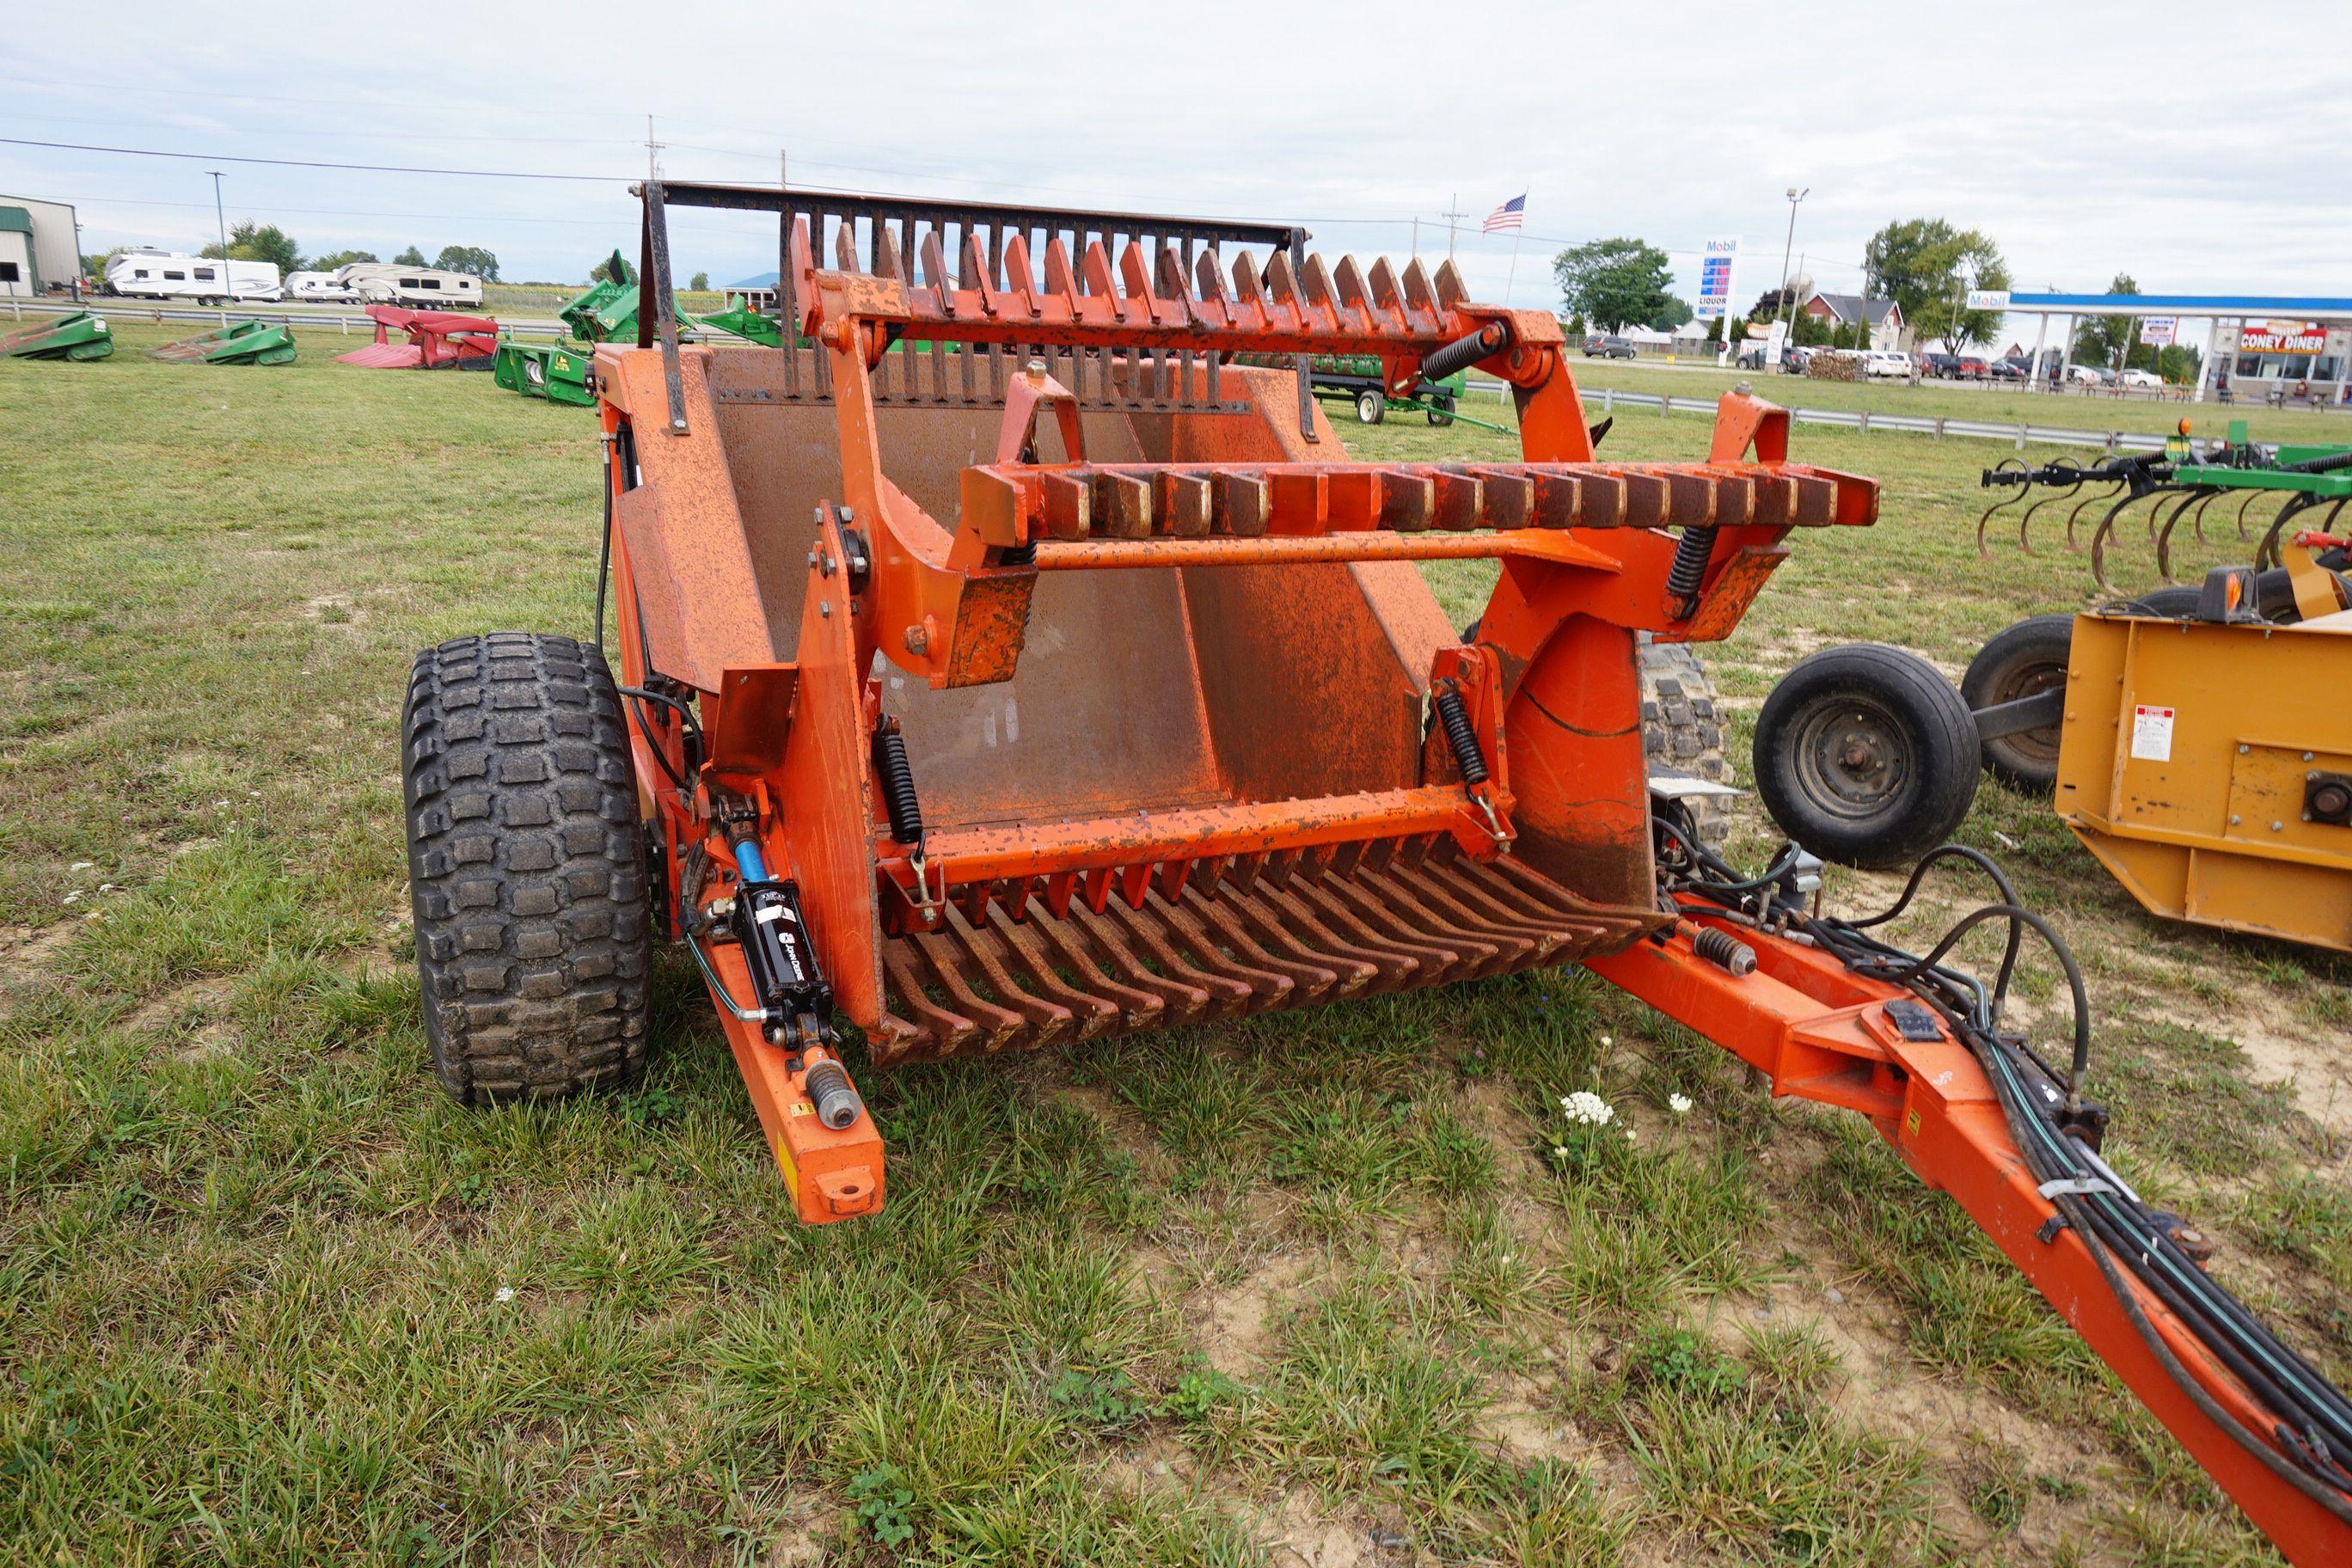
2282	337
1714	277
2157	331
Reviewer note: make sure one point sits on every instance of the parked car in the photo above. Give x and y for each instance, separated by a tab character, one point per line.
1973	369
1944	368
1607	347
1886	362
2086	375
2009	367
2140	378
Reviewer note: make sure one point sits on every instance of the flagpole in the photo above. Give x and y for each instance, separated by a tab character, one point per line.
1516	234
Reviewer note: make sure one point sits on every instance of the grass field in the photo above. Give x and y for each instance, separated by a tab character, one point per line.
2070	410
1312	1288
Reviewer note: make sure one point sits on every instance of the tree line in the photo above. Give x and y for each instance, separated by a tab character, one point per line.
1926	266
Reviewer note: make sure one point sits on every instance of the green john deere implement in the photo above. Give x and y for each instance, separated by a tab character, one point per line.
78	336
243	342
560	373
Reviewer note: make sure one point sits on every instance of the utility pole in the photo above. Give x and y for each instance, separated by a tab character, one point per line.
1416	239
220	217
1795	195
1453	212
653	167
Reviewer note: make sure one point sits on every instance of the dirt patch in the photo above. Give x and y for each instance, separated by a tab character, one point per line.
2281	1048
25	953
203	1004
1235	1325
1302	1536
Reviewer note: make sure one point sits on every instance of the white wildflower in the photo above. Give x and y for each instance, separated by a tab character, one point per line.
506	1293
1608	1040
82	866
1560	1151
74	897
220	803
1678	1103
1588	1108
1629	1135
106	887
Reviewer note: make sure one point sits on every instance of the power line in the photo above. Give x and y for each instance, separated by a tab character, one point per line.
318	163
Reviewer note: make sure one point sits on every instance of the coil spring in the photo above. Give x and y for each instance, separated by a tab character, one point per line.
1724	950
898	781
1690	570
1462	736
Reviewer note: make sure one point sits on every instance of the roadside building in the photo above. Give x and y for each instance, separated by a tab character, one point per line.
2294	348
40	252
1885	316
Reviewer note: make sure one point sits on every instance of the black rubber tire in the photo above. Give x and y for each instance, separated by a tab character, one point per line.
1440	413
2176	602
1918	771
526	868
1371	408
2021	661
1680	730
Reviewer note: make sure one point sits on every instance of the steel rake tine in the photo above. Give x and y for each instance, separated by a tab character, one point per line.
2242	505
1984	519
2106	495
2196	517
2099	543
2188	498
2267	553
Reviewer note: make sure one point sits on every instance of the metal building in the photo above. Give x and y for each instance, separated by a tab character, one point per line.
40	248
2297	348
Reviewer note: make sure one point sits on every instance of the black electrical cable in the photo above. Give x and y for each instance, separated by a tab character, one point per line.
2313	1432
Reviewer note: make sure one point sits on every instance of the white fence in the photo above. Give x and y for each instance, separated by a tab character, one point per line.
2019	433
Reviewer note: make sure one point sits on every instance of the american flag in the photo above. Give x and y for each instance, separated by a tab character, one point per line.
1507	216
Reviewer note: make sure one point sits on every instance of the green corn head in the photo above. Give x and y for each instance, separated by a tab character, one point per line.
243	342
560	373
78	336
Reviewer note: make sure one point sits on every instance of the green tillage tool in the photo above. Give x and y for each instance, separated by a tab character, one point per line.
245	343
2181	482
78	336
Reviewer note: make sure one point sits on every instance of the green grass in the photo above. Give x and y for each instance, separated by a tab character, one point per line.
1994	402
1344	1278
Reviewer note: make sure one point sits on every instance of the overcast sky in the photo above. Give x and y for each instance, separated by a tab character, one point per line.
2201	150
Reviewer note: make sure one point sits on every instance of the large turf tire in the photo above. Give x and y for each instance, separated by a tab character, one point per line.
526	868
1865	755
2021	661
1680	730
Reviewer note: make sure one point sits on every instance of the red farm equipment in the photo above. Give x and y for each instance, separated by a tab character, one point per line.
437	340
1013	668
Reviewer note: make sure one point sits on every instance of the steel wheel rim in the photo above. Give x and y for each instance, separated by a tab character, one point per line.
1852	758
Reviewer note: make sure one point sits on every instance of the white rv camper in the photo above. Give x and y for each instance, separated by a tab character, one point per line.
424	287
169	275
318	288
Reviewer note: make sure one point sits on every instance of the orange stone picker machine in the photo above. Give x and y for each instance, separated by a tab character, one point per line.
1008	666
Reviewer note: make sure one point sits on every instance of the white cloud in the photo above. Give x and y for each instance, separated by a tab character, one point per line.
2086	138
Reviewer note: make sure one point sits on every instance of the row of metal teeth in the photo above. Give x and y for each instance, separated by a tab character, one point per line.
1138	501
1153	289
992	983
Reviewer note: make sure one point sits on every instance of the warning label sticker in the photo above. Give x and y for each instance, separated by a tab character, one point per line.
2152	734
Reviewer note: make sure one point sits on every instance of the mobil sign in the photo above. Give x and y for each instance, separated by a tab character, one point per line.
2282	337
